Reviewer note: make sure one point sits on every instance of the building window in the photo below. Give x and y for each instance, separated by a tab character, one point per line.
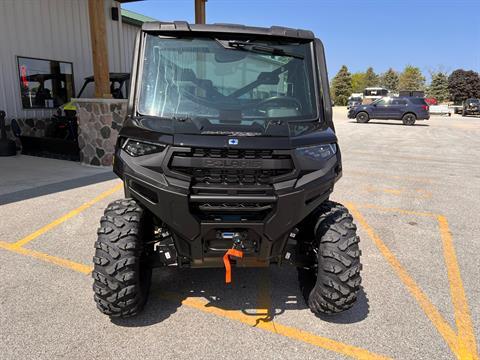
45	84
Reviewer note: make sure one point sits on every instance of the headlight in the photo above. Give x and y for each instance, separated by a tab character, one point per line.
139	148
318	152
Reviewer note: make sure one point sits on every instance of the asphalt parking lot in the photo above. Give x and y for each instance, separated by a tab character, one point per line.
414	193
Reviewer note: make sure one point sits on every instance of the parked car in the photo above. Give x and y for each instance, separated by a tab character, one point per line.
440	110
407	109
471	107
354	101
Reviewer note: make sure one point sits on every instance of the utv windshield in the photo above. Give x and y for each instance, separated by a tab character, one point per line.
227	81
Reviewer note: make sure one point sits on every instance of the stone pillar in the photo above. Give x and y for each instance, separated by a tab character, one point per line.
99	121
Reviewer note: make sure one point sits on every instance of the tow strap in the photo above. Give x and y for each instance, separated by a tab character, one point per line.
226	262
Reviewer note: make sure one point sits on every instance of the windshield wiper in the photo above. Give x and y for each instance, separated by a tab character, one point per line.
259	48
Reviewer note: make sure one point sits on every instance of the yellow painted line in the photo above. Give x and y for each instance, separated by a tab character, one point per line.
287	331
467	344
393	156
426	305
424	193
396	210
387	176
418	193
389	191
72	265
236	315
67	216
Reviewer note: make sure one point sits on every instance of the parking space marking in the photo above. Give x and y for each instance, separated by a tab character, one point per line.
287	331
387	176
390	191
463	344
258	321
404	157
65	217
396	210
72	265
463	320
416	193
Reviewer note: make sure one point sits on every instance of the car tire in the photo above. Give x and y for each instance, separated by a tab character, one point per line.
121	271
362	117
409	119
331	284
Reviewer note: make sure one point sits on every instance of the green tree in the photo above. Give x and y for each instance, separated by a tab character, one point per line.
358	82
389	80
438	88
411	79
463	84
342	86
371	79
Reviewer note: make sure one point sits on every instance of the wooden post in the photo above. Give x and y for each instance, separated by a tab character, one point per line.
98	35
201	67
200	17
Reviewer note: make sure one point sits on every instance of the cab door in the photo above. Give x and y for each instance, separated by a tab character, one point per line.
398	108
381	109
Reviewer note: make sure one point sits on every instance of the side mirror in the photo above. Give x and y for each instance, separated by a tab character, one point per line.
375	105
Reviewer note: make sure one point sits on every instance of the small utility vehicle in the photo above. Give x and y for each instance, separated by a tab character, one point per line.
471	107
228	155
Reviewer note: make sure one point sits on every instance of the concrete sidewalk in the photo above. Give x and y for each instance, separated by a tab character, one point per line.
23	177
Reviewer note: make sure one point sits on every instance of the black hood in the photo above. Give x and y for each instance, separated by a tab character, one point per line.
188	132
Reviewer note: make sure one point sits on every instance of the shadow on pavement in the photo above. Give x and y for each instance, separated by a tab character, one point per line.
55	187
280	293
388	123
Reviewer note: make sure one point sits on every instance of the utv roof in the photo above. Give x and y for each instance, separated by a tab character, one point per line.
184	27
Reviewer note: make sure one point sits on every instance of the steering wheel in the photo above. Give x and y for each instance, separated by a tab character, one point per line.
280	100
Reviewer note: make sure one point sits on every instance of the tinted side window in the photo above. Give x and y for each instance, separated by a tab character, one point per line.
399	102
418	101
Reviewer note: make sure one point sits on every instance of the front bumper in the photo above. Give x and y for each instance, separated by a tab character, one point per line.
173	199
472	110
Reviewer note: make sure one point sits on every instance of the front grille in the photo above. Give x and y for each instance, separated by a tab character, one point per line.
237	177
231	166
231	211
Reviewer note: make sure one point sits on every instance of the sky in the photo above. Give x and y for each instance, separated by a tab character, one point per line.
435	35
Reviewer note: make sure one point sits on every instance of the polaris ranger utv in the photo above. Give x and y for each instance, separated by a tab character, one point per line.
228	155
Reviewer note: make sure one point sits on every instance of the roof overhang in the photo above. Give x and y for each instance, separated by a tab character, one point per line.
234	29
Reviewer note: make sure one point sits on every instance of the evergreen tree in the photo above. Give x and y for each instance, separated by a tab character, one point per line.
438	88
411	79
342	86
389	80
358	82
371	79
463	85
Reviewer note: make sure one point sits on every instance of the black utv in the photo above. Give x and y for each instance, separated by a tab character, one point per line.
228	155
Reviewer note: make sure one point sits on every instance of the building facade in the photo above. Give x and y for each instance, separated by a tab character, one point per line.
45	52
